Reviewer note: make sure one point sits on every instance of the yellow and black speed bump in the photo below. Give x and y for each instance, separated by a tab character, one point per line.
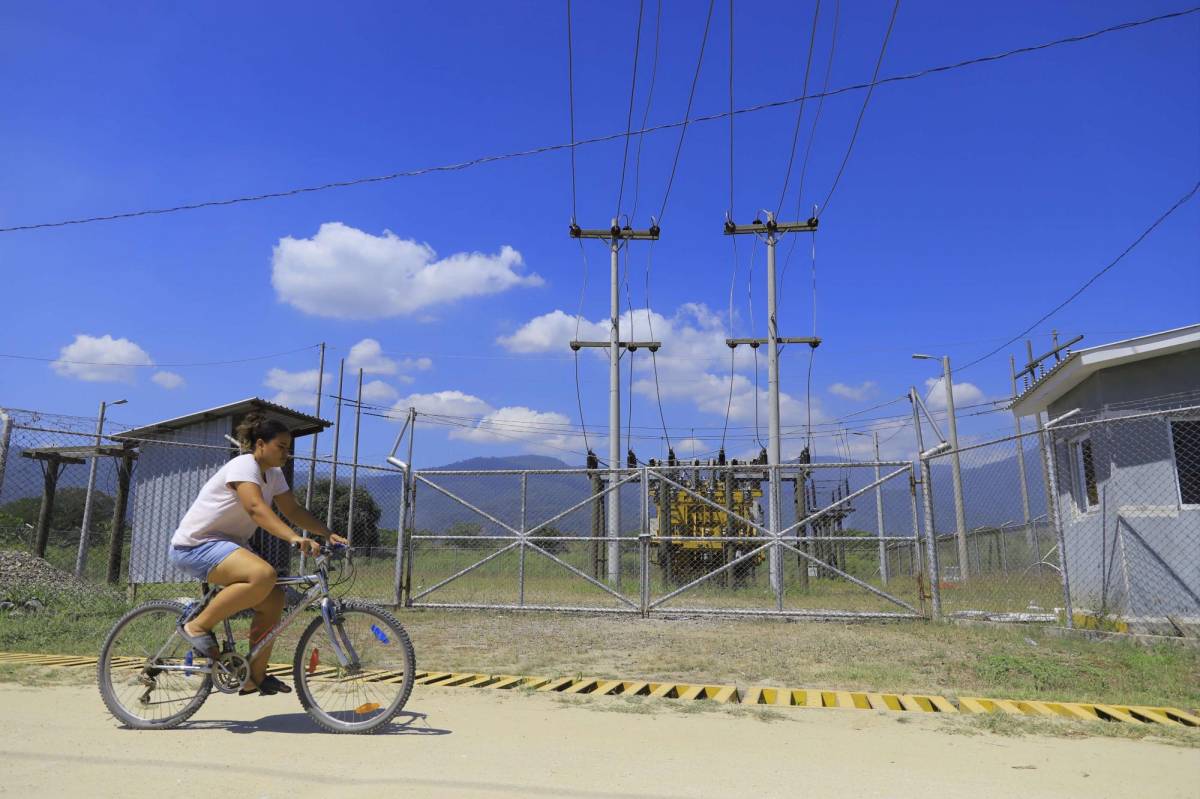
729	694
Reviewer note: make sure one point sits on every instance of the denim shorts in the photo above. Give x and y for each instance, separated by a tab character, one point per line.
199	560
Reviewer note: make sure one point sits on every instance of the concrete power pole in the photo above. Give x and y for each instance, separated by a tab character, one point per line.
616	236
771	229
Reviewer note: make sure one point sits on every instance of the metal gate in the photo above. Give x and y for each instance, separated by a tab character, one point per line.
736	563
506	559
737	539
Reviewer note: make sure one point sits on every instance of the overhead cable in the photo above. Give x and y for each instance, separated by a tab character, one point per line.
487	159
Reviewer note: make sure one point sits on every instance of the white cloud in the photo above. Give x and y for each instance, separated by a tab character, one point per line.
964	393
101	359
378	392
368	355
553	332
537	430
168	380
445	403
693	364
857	393
343	272
295	389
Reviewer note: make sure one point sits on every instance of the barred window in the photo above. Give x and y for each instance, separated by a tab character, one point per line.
1084	474
1185	440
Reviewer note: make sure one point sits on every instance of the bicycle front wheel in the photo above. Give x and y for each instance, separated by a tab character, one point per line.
142	673
365	694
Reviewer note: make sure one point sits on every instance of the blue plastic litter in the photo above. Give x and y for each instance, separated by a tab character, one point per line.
380	634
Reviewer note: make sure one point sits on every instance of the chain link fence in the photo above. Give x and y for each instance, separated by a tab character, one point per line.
63	544
1117	547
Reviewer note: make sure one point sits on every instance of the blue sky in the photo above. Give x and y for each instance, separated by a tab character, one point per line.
973	202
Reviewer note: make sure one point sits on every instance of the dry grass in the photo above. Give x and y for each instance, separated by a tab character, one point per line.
896	657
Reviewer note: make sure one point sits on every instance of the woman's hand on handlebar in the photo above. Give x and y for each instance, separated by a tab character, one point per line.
308	546
335	539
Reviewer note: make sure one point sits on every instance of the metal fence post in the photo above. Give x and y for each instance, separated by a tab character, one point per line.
401	535
916	561
776	526
523	528
883	564
5	437
1056	518
934	569
644	545
403	578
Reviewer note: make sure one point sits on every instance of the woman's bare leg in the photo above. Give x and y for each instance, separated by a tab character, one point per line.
266	615
247	578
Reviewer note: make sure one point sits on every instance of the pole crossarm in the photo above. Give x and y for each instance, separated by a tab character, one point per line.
811	341
1034	363
616	233
632	346
771	226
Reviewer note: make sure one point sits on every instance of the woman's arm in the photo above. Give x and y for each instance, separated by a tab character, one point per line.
300	516
260	512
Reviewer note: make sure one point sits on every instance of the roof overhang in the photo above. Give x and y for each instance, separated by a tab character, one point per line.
1080	365
301	424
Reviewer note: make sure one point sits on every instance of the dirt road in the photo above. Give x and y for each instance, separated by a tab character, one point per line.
59	741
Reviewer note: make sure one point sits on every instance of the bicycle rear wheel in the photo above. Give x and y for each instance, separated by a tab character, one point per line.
365	695
138	673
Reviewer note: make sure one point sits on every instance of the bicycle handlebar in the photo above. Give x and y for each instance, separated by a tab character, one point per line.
326	550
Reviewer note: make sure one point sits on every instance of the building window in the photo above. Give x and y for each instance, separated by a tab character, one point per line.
1084	474
1185	441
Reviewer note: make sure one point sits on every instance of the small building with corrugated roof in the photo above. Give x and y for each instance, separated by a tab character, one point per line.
1127	468
176	457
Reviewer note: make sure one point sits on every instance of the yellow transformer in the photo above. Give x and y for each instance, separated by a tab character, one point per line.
693	538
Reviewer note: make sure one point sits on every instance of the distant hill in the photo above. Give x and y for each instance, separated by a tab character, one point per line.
991	491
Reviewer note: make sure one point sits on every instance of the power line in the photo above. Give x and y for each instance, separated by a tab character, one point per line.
686	114
637	161
862	112
1090	280
812	43
487	159
637	48
571	105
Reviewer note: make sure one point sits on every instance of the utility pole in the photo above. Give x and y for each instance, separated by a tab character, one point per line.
1030	374
312	463
960	521
616	236
771	229
85	525
337	437
354	466
1012	368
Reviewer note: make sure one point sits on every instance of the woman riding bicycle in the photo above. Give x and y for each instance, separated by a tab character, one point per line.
211	543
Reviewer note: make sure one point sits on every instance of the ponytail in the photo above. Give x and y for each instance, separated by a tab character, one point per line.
258	426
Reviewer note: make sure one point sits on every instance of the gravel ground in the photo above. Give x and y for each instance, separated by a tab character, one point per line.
31	583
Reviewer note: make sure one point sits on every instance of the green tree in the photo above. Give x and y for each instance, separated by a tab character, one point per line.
68	512
551	546
366	512
477	539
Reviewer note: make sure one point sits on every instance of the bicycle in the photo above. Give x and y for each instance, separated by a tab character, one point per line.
353	668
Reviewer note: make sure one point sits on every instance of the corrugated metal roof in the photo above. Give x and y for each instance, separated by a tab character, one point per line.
85	451
1079	365
301	424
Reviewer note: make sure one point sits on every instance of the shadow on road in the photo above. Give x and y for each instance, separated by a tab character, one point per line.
405	723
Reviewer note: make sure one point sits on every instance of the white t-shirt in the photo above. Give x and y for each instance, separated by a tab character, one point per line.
218	513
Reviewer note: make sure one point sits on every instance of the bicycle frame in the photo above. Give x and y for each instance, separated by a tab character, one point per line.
342	647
